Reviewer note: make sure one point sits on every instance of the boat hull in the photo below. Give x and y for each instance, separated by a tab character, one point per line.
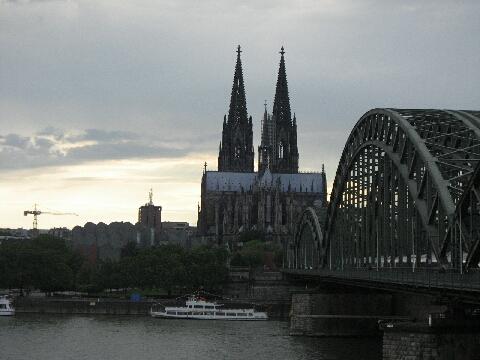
198	308
260	317
7	313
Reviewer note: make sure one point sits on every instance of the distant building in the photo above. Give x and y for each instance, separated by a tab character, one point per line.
13	234
101	241
149	220
175	225
151	231
235	199
60	233
178	233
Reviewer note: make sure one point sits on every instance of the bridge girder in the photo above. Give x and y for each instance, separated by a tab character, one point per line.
466	228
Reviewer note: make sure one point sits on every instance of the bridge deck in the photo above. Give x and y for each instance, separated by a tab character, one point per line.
420	278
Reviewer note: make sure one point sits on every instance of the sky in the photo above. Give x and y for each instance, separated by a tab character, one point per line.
102	100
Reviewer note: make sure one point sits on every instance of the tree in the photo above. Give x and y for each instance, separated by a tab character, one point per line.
253	253
129	250
45	263
208	268
250	235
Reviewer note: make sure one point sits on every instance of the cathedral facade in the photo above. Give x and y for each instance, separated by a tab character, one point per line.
236	199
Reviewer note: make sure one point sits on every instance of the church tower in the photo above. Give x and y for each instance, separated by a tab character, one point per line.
285	149
265	150
236	149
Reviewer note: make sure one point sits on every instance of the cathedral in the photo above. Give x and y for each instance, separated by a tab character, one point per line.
236	199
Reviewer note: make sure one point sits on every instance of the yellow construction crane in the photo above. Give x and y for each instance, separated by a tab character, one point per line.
35	212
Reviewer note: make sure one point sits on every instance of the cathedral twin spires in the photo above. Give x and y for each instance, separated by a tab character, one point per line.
278	150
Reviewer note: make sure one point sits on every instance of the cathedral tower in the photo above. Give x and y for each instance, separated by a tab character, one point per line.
236	149
265	150
285	151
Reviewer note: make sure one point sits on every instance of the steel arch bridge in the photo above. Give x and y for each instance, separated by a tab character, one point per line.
405	196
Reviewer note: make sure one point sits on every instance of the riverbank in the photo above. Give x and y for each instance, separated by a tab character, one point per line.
278	310
99	306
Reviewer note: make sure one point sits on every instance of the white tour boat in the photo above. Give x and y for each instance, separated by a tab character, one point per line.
201	309
6	307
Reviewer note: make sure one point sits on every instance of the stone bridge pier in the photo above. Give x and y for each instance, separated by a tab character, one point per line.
412	327
439	339
338	313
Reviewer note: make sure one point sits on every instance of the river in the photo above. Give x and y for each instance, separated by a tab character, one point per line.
56	337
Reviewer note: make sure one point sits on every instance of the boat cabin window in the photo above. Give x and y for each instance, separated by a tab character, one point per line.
231	314
208	307
198	306
250	314
241	314
3	306
181	313
171	312
220	313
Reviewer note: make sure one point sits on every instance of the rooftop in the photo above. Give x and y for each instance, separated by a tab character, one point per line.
238	181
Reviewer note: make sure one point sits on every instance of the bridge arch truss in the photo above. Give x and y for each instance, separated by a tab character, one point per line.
304	250
400	180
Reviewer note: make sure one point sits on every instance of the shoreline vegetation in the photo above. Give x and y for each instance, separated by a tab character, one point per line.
51	265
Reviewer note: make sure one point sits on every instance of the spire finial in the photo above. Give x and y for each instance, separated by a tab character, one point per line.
282	51
239	51
150	197
205	167
265	104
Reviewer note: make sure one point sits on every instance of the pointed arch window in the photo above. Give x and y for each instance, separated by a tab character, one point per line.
280	150
237	151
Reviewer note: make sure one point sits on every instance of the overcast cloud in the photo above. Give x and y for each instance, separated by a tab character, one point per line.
52	147
88	81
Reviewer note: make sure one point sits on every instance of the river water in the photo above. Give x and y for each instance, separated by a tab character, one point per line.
52	337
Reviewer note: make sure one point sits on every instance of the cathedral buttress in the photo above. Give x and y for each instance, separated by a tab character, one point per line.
236	149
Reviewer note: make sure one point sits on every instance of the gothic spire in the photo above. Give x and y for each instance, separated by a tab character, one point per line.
238	104
236	150
285	150
281	104
265	127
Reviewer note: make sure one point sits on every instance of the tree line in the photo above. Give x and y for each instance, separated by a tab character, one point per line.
50	265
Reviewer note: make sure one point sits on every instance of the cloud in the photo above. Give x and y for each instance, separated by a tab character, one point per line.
50	131
15	141
102	135
153	78
54	147
127	150
31	1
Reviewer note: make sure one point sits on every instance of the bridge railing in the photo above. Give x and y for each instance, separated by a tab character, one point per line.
425	278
